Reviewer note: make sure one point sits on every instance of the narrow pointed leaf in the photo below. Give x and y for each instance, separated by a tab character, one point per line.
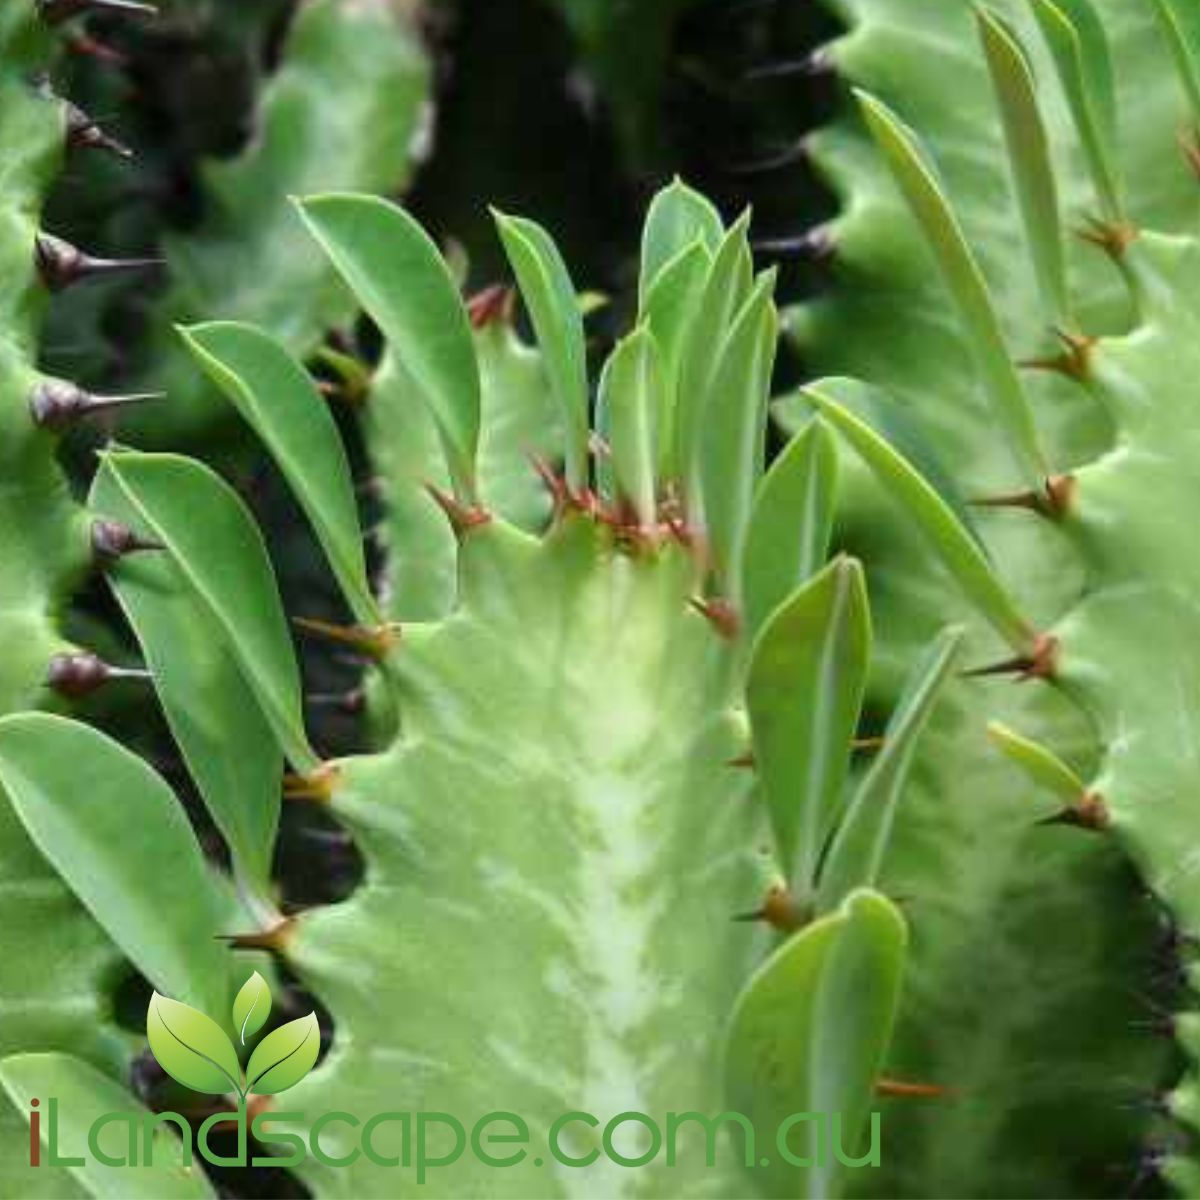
227	743
858	848
1075	35
549	296
284	1056
1040	764
251	1007
809	1034
895	423
116	834
727	288
280	402
668	310
963	279
1180	21
733	433
804	690
790	523
396	272
191	1047
959	551
84	1095
216	544
1029	159
630	388
678	217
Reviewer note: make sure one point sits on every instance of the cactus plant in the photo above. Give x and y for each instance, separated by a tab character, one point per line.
59	968
604	839
949	341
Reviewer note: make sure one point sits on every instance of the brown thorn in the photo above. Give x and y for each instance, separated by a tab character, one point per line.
84	134
1030	500
60	264
462	517
1041	663
376	643
556	484
867	744
56	404
778	910
54	11
112	541
1060	494
720	614
276	938
1074	362
742	760
1052	500
1091	812
80	674
903	1089
678	529
317	786
492	305
1113	237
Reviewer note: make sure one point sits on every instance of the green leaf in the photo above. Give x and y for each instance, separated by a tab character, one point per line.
115	832
630	389
678	217
963	279
251	1007
1042	766
1029	158
809	1034
214	715
857	851
790	523
1180	21
396	272
804	689
727	288
1075	35
669	309
280	402
284	1057
215	542
84	1095
733	434
959	551
549	296
191	1047
893	420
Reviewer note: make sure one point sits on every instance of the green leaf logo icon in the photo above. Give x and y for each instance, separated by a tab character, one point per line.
284	1057
191	1047
251	1007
